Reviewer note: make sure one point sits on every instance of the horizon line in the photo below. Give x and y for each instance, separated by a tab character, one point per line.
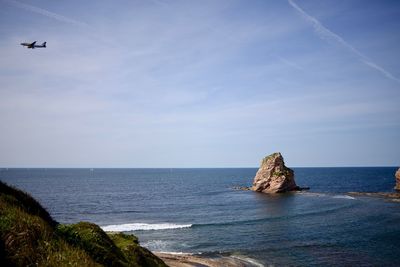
251	167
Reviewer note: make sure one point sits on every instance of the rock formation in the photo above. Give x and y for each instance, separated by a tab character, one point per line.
273	176
397	187
394	197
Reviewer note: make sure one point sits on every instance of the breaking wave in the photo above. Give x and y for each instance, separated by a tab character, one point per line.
311	194
344	197
178	253
142	227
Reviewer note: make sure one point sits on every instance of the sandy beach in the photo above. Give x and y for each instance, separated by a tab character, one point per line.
189	260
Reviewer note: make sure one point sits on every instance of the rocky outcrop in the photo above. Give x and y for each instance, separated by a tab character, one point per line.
397	187
273	176
393	196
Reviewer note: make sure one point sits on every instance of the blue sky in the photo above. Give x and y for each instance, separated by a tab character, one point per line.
199	83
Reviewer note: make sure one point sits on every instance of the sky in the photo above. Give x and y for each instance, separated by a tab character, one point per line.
162	83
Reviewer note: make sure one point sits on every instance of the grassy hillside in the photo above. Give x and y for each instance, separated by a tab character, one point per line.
30	237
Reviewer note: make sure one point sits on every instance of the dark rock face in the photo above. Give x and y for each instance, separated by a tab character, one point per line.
397	187
273	176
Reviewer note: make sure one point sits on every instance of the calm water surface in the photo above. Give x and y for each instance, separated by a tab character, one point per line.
197	211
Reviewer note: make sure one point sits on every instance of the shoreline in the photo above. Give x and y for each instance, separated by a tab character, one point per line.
198	260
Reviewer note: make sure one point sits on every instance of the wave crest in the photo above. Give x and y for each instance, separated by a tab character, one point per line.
344	197
249	260
142	227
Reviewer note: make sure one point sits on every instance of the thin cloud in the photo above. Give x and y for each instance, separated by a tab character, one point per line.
63	19
46	13
330	36
289	63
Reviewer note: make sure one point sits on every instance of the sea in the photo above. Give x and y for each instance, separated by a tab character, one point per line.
198	211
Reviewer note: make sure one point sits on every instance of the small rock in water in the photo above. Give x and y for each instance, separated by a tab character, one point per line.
244	188
273	176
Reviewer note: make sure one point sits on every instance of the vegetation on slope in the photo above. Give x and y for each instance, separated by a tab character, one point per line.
30	237
134	253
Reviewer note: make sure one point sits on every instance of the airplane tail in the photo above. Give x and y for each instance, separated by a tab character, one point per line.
44	44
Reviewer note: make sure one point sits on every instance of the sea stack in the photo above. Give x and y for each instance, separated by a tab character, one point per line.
397	187
273	176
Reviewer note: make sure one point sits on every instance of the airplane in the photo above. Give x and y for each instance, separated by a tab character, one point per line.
33	45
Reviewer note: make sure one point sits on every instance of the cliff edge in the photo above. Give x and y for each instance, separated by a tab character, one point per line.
29	236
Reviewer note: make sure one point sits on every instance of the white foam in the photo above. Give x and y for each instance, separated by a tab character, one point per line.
176	253
312	194
158	245
326	195
344	197
247	259
142	227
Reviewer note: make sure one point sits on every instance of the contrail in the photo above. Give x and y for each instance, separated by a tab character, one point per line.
330	36
46	13
289	63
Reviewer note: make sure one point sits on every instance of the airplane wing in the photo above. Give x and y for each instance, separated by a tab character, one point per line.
32	45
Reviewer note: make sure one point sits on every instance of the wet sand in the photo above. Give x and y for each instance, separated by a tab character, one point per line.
188	260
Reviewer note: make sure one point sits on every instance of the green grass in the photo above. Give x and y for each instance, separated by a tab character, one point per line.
25	202
273	155
94	241
30	237
135	254
28	240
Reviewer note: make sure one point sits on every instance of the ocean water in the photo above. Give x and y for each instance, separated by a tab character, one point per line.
197	211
